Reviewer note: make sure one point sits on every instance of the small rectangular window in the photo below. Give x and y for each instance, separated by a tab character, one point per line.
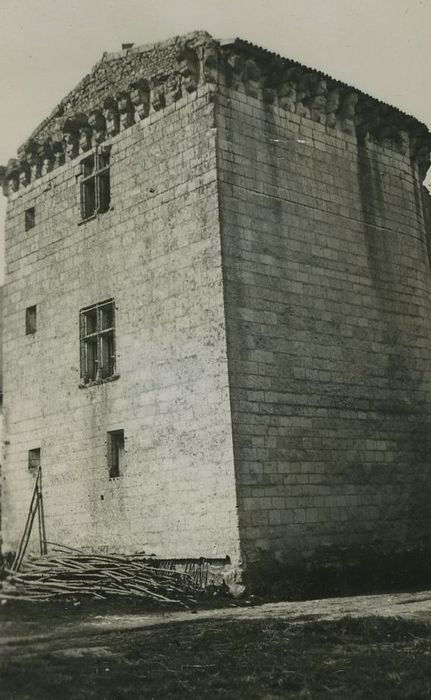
95	184
97	342
30	218
34	459
116	451
30	320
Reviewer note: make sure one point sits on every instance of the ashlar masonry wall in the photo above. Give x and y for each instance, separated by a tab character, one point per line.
156	252
327	296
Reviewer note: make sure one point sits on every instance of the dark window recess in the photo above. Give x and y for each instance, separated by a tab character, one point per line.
30	218
116	451
97	342
31	320
34	459
95	184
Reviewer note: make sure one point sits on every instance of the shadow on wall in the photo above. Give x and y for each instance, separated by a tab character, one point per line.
3	205
347	571
1	414
405	385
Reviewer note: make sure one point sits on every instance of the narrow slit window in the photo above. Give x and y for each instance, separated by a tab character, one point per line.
97	342
95	184
34	459
30	218
31	320
116	453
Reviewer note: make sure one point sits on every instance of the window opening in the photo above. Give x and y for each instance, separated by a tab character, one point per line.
30	218
95	184
34	459
30	320
97	342
116	452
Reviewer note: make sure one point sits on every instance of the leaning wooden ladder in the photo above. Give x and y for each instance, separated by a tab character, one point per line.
36	506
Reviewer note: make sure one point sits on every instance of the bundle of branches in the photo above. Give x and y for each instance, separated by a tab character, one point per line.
73	574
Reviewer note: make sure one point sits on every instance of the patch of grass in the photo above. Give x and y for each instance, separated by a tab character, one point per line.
351	658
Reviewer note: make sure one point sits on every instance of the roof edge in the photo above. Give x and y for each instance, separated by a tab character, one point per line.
197	59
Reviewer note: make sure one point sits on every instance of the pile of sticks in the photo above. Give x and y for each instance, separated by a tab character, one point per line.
71	575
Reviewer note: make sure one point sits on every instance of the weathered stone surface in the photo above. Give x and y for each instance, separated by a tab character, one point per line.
112	116
267	244
140	96
327	288
157	253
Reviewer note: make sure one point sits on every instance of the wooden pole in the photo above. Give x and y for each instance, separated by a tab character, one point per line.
43	544
34	505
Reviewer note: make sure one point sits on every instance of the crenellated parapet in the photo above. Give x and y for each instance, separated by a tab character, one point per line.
138	82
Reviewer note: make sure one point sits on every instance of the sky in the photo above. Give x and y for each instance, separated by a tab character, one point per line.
382	47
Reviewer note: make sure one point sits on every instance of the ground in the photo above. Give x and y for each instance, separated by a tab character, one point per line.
363	647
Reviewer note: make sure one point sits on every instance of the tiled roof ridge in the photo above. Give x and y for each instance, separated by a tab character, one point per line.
256	48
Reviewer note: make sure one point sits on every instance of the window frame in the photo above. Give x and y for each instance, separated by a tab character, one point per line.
100	173
100	364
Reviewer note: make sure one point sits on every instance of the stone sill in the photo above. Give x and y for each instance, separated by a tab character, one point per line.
96	382
96	215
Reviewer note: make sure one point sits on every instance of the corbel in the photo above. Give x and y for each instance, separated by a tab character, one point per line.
112	117
70	129
97	124
252	78
332	107
158	98
126	110
211	64
188	68
286	88
140	97
173	90
318	98
46	155
303	94
347	112
3	181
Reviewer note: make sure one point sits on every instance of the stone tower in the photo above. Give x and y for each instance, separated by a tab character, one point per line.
217	326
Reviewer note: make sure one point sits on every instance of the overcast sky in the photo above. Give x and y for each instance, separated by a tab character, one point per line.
46	46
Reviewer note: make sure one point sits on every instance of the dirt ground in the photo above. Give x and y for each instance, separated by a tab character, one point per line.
362	647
